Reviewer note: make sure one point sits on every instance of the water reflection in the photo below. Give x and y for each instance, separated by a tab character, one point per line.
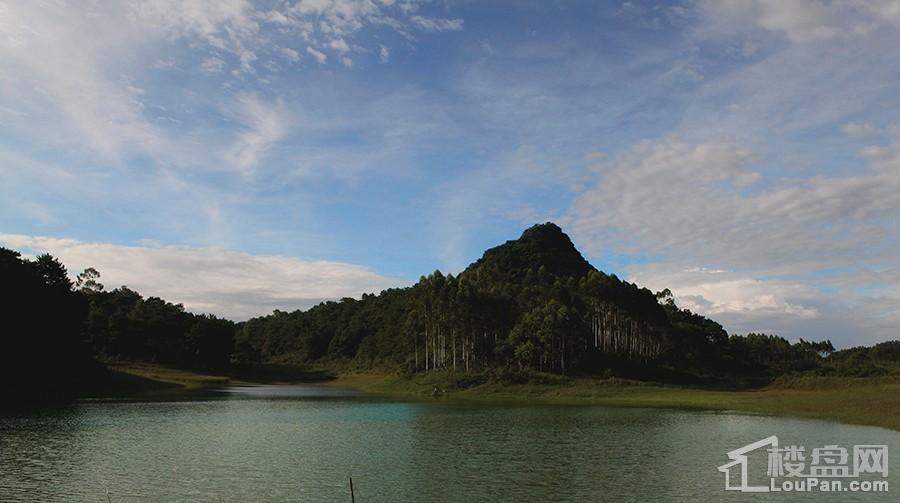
300	443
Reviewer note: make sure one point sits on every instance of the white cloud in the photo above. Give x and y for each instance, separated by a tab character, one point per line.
227	283
56	66
683	72
802	21
277	18
694	201
787	307
67	66
291	55
701	204
384	54
262	125
436	24
347	62
839	80
227	25
716	293
753	179
339	45
860	129
328	23
317	55
337	16
212	64
246	59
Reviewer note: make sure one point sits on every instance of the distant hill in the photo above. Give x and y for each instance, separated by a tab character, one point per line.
530	304
533	303
543	245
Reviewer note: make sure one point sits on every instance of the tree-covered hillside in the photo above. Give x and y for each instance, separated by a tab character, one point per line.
530	304
56	328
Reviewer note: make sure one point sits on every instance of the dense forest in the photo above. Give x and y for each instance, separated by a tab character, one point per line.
535	304
58	331
529	305
43	346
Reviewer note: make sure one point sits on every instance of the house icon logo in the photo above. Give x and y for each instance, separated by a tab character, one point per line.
737	472
830	468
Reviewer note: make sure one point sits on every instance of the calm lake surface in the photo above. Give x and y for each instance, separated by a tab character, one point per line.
300	443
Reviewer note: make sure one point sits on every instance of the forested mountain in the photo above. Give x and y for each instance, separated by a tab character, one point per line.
540	246
530	304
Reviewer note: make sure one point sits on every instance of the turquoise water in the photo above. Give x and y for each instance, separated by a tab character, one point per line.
301	443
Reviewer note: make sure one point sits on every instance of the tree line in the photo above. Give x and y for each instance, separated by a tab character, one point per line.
57	329
529	305
535	304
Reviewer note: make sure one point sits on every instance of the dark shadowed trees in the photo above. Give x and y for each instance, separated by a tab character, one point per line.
531	304
43	349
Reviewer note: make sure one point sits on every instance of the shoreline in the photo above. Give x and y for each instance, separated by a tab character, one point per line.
860	401
849	404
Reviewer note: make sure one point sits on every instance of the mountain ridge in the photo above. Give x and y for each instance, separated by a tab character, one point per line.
541	245
530	304
533	302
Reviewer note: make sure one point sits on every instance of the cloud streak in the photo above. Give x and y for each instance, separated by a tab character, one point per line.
803	21
263	125
699	204
755	138
227	283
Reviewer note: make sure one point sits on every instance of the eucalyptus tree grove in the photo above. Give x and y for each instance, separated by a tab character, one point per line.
532	303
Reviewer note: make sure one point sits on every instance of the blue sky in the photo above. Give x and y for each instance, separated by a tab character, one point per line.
242	156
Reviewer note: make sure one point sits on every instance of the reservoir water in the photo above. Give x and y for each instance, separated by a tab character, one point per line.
301	443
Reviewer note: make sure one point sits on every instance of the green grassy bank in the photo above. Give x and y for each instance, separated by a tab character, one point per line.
863	401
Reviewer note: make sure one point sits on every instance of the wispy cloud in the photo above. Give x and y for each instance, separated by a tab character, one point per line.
224	282
860	129
757	138
68	70
291	55
697	204
262	125
319	56
803	21
764	176
436	24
